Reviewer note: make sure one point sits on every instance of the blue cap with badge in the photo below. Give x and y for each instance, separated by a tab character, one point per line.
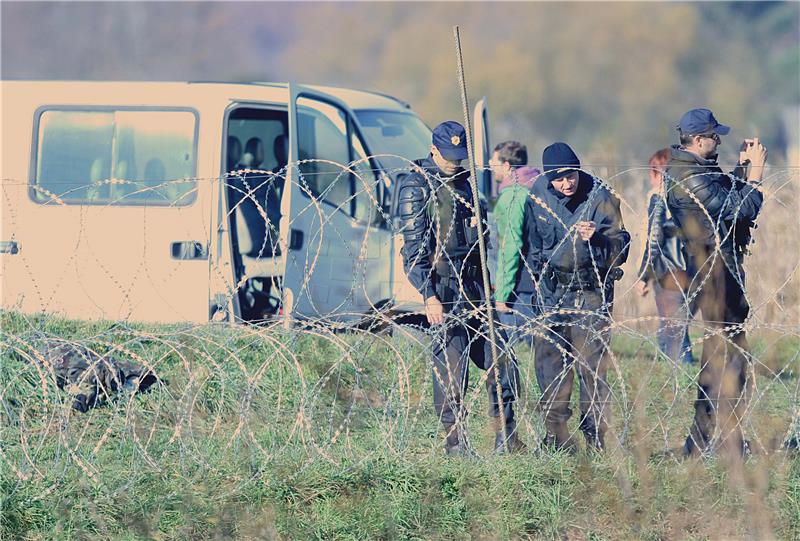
701	121
451	140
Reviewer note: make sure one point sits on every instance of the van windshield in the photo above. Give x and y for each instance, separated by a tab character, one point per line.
398	133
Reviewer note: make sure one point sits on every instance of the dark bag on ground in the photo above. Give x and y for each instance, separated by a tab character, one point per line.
91	378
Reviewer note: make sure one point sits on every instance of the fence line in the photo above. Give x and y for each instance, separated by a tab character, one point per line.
352	375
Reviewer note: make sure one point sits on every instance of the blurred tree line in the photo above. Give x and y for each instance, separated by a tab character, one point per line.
612	79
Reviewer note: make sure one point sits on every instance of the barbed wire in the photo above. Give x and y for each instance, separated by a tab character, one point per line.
349	373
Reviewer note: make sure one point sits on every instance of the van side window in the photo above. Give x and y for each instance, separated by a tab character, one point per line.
117	157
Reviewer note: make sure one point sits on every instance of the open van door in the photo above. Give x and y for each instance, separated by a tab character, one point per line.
337	262
486	185
483	149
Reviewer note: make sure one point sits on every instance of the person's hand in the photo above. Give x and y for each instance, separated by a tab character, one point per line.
502	307
586	229
642	288
434	311
758	154
744	151
753	152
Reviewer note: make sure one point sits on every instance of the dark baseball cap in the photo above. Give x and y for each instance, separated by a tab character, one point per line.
699	121
451	140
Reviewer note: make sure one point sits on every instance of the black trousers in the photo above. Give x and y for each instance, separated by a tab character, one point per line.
723	384
575	341
464	336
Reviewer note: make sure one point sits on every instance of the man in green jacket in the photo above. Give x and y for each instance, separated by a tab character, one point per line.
514	285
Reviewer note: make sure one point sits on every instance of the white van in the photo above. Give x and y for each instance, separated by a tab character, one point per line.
119	201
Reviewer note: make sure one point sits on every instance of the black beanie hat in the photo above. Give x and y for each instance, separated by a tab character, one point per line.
558	160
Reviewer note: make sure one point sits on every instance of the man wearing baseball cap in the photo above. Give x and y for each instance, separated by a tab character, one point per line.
715	212
442	260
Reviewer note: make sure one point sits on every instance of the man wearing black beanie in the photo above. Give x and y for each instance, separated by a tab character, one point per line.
578	242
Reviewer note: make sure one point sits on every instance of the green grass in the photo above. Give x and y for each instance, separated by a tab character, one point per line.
276	434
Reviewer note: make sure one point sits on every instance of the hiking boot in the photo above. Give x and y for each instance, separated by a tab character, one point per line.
512	445
457	450
558	437
507	444
552	443
453	446
595	442
690	448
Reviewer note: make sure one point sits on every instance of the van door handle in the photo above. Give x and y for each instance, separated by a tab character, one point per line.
295	239
9	247
189	249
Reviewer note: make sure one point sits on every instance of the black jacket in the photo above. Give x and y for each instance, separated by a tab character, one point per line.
553	243
92	378
439	232
706	203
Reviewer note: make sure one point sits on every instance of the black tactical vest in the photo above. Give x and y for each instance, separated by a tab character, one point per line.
455	225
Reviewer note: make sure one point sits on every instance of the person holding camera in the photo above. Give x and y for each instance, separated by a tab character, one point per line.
715	213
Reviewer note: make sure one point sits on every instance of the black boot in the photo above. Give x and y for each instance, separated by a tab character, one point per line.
554	443
595	441
595	436
453	446
558	437
506	440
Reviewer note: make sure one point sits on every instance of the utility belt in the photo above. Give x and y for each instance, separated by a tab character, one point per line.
465	269
586	279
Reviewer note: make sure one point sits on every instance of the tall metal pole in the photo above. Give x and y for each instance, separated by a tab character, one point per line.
476	207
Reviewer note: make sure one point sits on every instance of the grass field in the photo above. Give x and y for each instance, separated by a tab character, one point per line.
264	433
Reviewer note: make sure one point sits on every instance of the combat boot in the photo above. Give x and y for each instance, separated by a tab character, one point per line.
506	440
595	440
457	450
594	432
550	442
558	437
453	446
